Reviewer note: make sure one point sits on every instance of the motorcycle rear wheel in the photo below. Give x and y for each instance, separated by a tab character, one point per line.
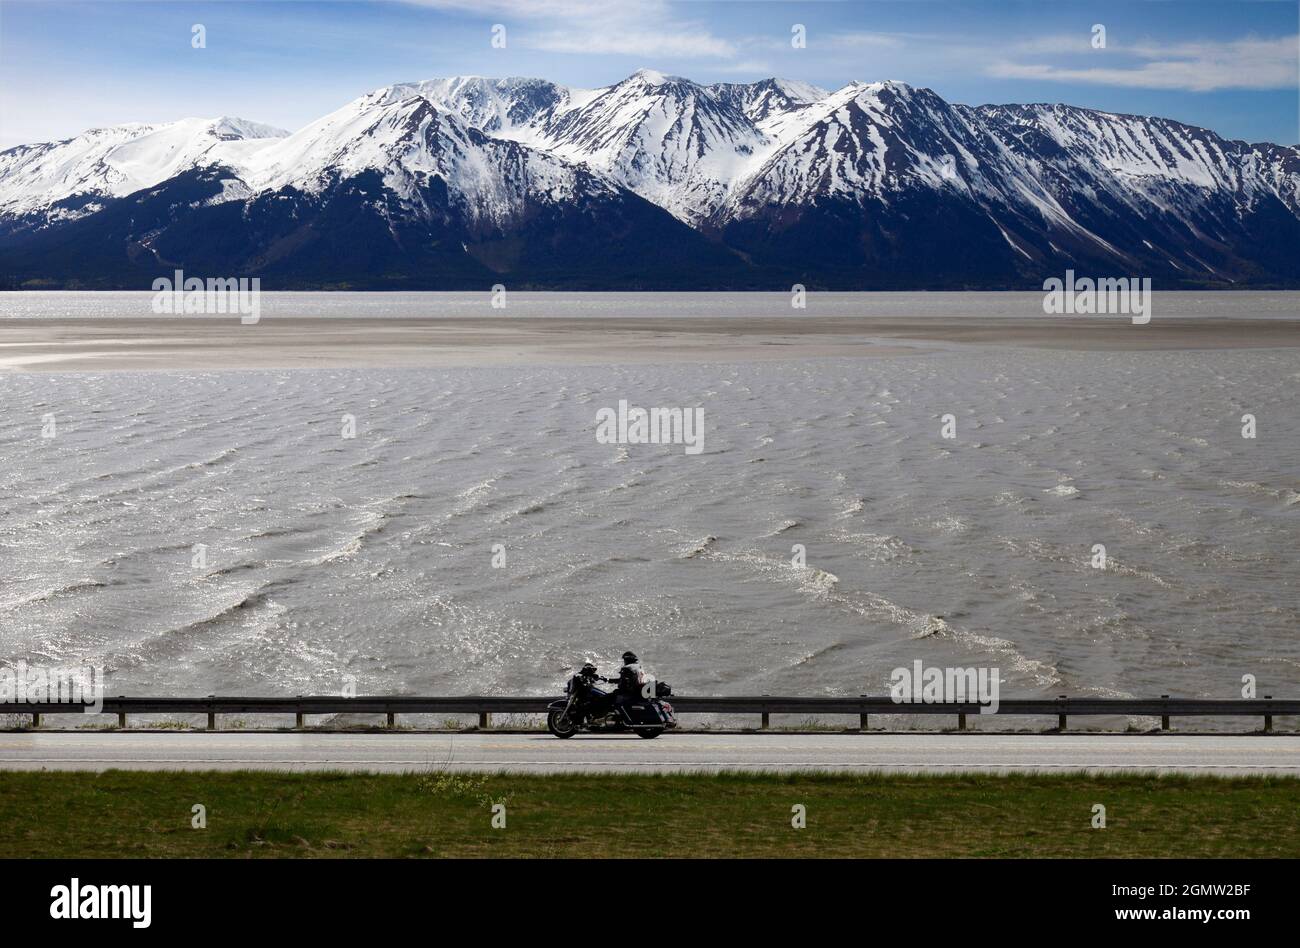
649	733
559	724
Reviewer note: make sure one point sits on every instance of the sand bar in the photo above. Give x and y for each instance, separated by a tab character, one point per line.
201	343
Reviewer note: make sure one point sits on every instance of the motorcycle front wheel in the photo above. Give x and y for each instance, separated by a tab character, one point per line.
559	724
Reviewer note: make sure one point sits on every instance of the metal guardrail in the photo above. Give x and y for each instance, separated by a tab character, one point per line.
765	705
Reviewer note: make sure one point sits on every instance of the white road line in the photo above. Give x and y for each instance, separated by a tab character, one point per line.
324	762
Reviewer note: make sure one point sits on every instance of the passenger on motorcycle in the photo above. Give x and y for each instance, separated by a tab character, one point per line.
629	680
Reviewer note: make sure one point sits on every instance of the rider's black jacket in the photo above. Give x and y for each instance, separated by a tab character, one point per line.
588	695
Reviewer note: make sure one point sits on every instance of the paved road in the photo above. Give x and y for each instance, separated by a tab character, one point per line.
528	753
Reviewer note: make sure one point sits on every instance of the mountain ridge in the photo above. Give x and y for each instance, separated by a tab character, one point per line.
873	185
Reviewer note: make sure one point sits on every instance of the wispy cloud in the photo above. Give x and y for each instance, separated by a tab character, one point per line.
1192	67
601	27
744	67
861	40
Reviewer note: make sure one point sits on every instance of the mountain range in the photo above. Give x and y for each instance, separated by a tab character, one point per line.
655	182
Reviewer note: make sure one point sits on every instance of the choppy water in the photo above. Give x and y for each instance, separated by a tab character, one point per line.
372	557
81	305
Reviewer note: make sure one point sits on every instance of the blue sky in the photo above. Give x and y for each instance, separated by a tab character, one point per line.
1230	65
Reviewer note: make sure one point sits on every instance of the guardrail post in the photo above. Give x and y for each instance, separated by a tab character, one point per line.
484	720
862	718
212	717
392	719
1268	718
1164	718
1060	718
297	718
121	719
961	720
767	718
36	719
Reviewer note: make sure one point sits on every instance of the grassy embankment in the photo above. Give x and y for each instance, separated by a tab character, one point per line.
259	814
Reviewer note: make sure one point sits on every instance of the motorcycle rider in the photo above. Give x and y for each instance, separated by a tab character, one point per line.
632	705
596	701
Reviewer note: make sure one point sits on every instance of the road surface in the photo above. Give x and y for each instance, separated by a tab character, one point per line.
530	753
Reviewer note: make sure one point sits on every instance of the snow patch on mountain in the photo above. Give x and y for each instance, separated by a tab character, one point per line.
674	142
105	163
412	143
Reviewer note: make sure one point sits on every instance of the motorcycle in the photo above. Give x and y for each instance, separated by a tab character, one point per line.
588	708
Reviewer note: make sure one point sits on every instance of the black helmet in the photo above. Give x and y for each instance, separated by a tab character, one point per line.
588	670
629	658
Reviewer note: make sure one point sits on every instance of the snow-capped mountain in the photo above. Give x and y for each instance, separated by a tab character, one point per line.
1160	192
768	98
69	179
414	145
514	108
656	181
676	143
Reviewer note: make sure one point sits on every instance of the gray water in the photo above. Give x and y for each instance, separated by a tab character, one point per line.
372	556
55	305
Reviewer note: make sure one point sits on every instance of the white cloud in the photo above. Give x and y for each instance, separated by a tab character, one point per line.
860	40
600	27
1193	67
746	67
1055	44
630	40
